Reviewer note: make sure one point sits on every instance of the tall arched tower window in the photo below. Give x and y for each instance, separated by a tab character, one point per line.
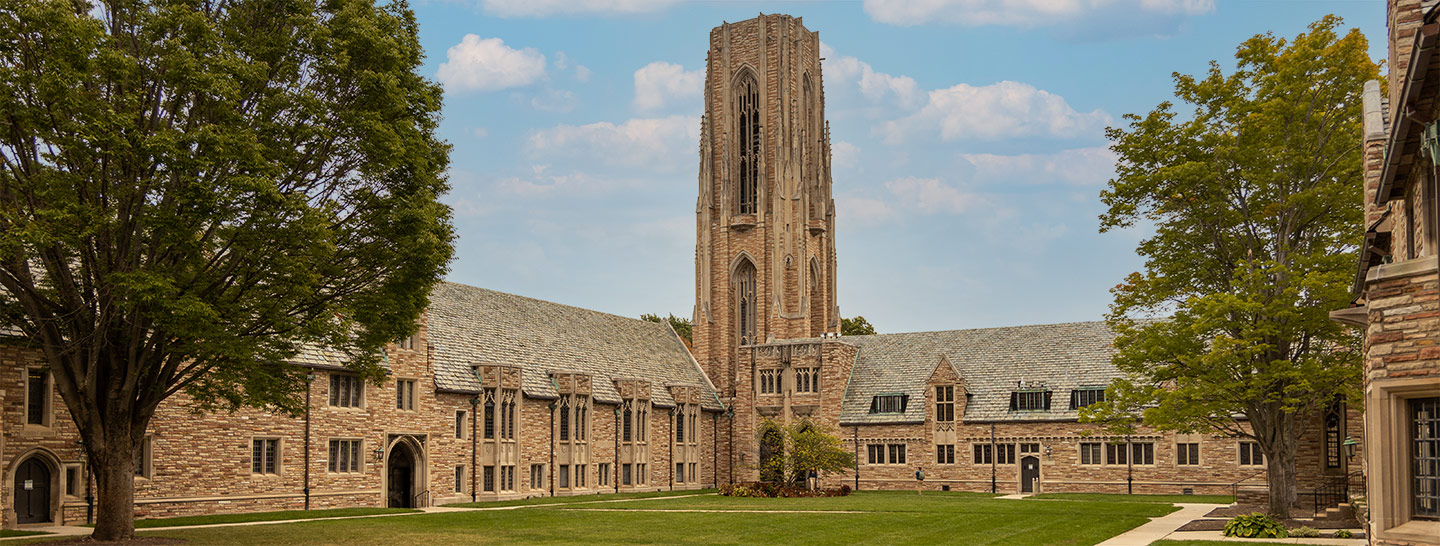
809	137
745	302
817	303
747	119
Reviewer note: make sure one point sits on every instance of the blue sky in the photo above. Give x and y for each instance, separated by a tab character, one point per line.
968	138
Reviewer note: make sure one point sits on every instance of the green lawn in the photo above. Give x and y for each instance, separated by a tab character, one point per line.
265	516
18	533
583	498
1164	499
878	517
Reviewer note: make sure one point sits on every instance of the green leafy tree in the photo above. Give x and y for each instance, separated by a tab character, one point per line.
682	326
790	453
1254	197
191	192
857	326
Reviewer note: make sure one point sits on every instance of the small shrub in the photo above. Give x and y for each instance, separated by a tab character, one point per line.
1255	525
770	490
1344	533
1305	532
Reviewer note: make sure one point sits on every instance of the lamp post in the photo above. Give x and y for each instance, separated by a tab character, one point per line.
1351	444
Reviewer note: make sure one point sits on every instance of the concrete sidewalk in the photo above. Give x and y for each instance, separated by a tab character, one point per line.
1165	527
1160	527
1219	536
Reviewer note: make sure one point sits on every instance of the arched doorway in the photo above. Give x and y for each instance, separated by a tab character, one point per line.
400	477
32	491
772	451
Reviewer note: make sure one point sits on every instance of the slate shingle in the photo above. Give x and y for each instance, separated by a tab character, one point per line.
469	326
990	360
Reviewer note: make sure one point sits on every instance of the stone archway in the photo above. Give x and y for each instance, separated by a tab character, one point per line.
35	488
405	483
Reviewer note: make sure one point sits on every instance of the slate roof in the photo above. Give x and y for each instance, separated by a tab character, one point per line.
990	362
469	326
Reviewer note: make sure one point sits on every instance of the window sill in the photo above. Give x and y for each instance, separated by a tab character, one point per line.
1414	530
742	222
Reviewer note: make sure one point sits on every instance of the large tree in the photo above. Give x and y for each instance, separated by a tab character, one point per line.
194	190
1254	198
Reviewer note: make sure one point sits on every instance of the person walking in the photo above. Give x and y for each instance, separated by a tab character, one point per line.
919	481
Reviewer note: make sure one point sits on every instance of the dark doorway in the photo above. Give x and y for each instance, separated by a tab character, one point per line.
32	491
1029	474
401	476
772	448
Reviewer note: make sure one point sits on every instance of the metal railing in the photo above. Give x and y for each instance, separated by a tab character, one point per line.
1235	487
421	500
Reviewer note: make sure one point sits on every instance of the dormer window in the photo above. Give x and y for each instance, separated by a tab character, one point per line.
1086	396
888	403
1030	400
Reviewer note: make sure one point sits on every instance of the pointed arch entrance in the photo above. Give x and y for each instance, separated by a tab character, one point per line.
405	476
35	488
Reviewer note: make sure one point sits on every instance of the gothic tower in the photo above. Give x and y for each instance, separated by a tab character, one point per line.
765	219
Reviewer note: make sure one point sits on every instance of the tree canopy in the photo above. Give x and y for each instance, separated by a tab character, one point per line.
192	192
1254	197
857	326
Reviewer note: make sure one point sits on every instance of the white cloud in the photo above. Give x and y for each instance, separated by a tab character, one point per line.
997	111
663	143
1029	13
844	154
875	86
554	100
542	8
660	82
854	210
487	64
930	195
480	132
562	62
1077	167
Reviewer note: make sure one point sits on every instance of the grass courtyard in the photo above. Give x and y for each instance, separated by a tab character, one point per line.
891	517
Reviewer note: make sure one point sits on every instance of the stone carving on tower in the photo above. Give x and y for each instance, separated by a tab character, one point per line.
765	217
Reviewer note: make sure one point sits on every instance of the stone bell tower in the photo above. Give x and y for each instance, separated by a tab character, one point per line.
765	219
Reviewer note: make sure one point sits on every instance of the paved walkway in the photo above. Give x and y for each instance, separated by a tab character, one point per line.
1218	536
1015	496
1160	527
1164	527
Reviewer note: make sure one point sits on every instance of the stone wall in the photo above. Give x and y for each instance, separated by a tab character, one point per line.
201	464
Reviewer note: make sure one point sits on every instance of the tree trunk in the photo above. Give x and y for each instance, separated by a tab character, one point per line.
113	463
1280	468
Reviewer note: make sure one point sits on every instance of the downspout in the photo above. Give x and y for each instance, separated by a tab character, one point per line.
855	439
1129	468
616	470
552	449
672	448
714	453
309	379
993	489
474	444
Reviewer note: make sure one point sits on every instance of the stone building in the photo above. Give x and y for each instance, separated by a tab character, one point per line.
990	409
496	397
1397	283
500	396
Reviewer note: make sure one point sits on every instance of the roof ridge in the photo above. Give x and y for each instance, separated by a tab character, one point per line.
982	329
547	302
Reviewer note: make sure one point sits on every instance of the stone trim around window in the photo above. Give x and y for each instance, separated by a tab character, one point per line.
40	404
1386	448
